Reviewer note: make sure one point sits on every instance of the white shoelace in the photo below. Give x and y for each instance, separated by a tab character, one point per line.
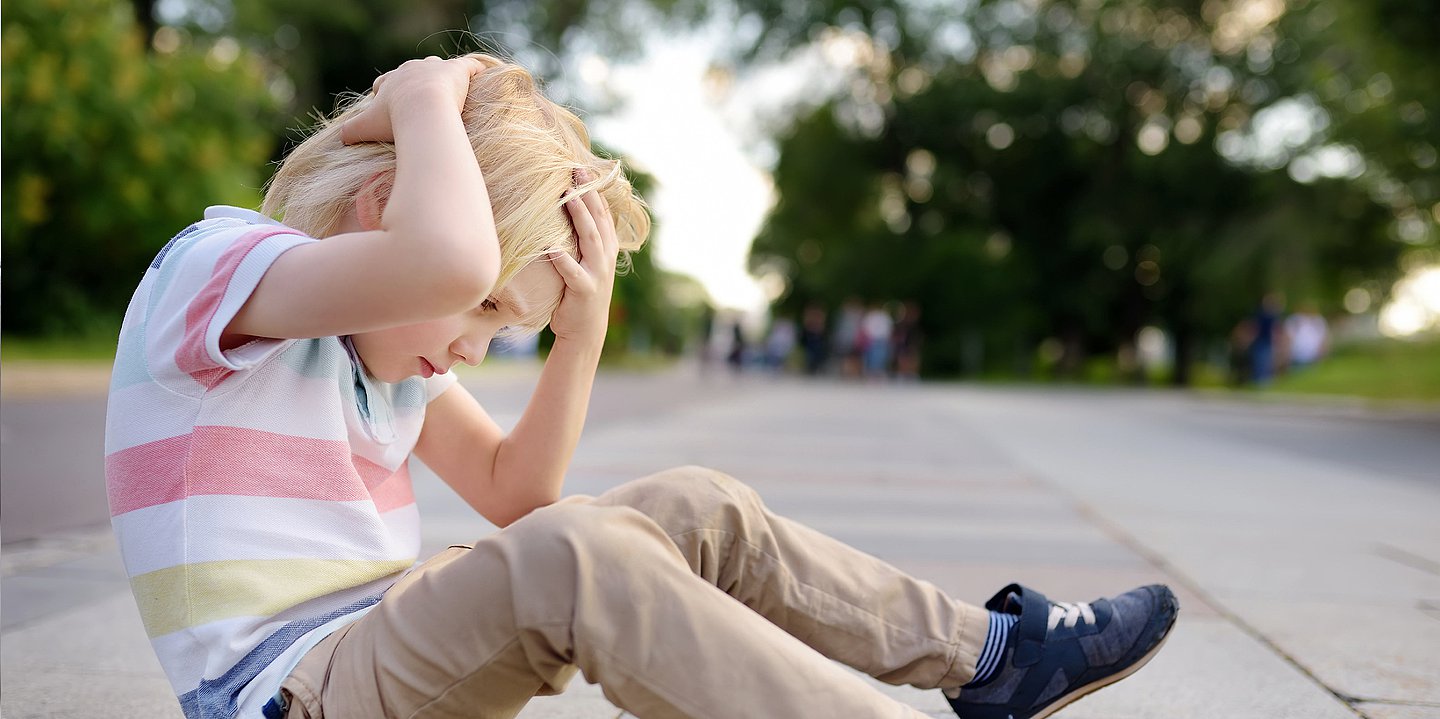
1071	613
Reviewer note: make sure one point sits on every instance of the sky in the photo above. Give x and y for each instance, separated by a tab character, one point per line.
711	197
699	133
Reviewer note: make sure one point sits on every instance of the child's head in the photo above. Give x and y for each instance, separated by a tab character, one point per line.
528	149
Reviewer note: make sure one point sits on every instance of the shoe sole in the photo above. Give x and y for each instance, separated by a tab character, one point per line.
1080	692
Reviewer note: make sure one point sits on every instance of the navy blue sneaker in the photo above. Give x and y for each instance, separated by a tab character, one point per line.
1059	652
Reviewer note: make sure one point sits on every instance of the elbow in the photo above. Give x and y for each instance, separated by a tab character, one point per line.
461	281
483	270
506	516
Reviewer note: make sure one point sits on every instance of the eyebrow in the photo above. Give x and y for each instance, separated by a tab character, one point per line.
510	297
529	318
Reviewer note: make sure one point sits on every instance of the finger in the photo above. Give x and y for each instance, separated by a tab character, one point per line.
574	275
600	213
364	127
588	234
380	80
599	209
473	63
369	125
609	244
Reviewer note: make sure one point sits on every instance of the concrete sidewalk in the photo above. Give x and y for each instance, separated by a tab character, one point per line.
1305	548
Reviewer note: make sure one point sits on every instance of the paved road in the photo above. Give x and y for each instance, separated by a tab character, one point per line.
1304	543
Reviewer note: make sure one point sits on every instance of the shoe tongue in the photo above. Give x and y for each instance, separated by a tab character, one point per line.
1012	604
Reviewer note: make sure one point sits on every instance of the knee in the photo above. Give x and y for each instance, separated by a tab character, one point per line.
691	491
576	558
692	481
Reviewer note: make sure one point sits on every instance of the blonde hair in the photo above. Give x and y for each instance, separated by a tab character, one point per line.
527	147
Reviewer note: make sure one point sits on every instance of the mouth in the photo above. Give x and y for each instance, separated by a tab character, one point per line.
427	370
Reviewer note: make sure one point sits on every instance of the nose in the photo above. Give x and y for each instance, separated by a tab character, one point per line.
471	354
472	347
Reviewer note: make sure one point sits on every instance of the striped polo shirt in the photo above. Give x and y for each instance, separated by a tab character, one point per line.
260	494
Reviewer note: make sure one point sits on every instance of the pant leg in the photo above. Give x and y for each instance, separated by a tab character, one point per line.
476	633
846	604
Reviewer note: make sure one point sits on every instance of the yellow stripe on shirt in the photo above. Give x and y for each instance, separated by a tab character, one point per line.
245	588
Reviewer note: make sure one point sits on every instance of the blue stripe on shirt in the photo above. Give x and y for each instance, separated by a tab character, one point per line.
217	698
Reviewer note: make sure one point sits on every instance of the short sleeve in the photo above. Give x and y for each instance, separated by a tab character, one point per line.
202	281
436	385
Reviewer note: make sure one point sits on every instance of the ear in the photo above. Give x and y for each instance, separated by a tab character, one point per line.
370	201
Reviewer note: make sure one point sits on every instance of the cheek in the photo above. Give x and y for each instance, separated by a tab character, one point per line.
410	339
424	337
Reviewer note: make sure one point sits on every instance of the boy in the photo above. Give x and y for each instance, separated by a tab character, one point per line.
269	388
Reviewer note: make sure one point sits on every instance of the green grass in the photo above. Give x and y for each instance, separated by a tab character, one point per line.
1383	369
80	348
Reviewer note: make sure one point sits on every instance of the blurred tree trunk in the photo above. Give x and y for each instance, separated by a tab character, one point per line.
145	16
1184	329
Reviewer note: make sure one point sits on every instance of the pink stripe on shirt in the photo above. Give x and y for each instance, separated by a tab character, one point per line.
150	474
232	460
388	489
192	357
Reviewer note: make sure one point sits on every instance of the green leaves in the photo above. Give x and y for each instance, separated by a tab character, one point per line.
114	142
1087	174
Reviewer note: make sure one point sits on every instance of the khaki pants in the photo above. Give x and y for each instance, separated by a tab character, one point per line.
680	594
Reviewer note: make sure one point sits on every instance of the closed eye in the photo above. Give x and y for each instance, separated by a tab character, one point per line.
489	305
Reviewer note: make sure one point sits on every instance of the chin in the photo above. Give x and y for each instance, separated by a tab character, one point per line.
391	376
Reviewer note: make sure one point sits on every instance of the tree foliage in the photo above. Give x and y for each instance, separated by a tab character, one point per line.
1068	172
110	150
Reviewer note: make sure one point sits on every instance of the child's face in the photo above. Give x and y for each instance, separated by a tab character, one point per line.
393	354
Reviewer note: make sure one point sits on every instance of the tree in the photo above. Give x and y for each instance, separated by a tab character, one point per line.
1068	175
1371	65
109	151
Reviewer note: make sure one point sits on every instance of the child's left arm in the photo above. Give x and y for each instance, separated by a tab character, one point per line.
504	477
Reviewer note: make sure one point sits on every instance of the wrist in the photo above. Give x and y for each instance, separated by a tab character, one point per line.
583	343
424	105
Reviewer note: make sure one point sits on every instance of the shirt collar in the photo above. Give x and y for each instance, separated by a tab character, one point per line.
239	213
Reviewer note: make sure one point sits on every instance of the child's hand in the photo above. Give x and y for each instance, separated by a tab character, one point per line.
404	89
584	309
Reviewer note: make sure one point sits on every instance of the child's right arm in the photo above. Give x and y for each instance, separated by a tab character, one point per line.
434	252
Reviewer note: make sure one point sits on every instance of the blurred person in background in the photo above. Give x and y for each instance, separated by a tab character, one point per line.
738	349
847	338
876	331
1268	340
906	342
1308	336
779	343
812	339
